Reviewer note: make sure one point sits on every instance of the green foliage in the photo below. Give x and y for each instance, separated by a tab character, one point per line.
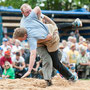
48	4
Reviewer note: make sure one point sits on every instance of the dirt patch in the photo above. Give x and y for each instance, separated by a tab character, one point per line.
37	84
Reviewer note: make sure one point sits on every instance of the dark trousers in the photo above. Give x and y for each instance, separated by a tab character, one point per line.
59	66
65	26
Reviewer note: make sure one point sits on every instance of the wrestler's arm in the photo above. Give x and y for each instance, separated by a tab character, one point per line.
49	37
37	10
48	20
31	63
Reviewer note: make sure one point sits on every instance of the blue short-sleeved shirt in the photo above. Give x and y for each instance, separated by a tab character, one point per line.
35	29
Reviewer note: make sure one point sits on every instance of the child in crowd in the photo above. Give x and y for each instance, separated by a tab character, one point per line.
8	71
73	72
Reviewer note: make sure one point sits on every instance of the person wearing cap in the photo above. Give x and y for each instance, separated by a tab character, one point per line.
83	64
72	69
72	54
4	44
4	58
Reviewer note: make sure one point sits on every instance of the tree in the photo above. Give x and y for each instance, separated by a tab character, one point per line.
48	4
18	3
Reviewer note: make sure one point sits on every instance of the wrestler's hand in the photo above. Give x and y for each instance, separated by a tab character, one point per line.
21	68
49	37
35	69
26	74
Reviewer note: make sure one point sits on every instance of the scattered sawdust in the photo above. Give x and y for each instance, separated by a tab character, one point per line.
37	84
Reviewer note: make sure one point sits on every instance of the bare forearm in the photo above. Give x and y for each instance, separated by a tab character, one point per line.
49	37
23	65
38	64
42	40
15	66
31	63
37	10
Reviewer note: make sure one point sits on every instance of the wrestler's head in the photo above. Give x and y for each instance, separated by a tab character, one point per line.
20	34
26	9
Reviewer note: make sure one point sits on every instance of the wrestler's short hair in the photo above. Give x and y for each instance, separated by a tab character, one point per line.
19	32
25	5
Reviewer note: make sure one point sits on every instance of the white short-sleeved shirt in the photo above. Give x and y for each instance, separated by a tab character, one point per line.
21	59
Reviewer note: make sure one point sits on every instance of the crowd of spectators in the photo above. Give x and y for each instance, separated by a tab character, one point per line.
76	55
14	58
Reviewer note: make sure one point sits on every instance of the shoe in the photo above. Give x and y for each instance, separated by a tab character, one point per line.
49	82
73	78
77	23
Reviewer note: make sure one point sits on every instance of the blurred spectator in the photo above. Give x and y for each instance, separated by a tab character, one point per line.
10	43
4	58
0	71
72	34
25	53
72	69
16	47
22	52
6	36
13	41
66	47
83	64
10	49
72	54
82	41
19	65
77	35
4	45
75	42
88	50
8	71
64	54
70	40
1	52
